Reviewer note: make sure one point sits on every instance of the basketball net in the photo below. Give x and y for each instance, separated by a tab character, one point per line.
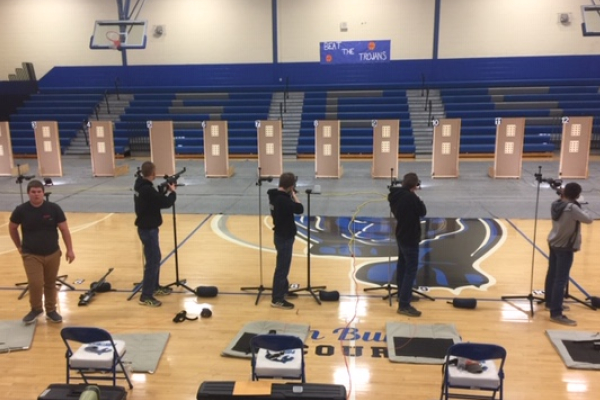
115	38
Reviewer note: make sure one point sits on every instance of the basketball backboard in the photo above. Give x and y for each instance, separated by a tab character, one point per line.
591	20
119	35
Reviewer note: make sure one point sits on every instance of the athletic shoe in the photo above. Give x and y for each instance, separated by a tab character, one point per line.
150	302
291	295
163	291
32	316
564	308
53	316
562	319
286	305
410	311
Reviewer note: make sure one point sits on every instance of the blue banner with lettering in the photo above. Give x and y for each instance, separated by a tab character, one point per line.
360	52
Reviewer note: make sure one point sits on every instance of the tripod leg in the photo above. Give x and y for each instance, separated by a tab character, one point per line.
60	280
418	292
25	289
136	289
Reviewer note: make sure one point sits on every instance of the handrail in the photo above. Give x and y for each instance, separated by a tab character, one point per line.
117	81
429	117
106	101
85	128
281	113
96	111
427	99
286	93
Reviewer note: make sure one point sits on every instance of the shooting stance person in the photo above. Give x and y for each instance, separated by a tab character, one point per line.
283	204
564	240
39	220
408	209
148	202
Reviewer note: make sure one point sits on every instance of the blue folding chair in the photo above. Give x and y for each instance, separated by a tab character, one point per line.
277	357
474	371
97	355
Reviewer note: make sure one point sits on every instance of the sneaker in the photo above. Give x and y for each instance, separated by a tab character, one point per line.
410	311
291	295
150	302
562	319
564	308
53	316
32	316
286	305
163	291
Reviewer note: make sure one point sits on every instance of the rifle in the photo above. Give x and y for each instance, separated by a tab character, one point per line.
85	298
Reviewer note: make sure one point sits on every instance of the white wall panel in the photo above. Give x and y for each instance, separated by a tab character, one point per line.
507	28
302	25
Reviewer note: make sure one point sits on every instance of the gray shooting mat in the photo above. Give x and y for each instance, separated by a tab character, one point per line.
419	343
576	348
15	335
240	345
143	350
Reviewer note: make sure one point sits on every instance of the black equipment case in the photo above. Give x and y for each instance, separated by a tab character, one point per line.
289	391
62	391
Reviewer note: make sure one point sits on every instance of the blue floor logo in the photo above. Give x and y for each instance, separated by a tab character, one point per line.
451	248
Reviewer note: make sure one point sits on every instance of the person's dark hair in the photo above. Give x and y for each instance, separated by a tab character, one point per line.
572	191
410	180
148	169
287	180
35	184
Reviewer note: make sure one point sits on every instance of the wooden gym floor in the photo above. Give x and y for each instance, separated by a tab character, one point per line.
223	250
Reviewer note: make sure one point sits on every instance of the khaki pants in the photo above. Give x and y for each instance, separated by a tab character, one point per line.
41	277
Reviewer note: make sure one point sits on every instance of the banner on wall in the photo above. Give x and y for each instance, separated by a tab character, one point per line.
359	52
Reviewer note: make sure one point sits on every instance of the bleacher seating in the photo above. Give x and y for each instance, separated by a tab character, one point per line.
542	108
356	109
188	111
68	109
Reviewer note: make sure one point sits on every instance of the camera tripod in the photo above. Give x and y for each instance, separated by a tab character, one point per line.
178	282
260	288
530	297
309	288
388	287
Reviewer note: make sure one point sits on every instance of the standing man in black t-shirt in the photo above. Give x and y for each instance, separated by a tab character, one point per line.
39	220
283	204
148	202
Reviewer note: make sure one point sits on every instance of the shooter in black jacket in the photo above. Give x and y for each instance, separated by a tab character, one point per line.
283	204
408	209
148	202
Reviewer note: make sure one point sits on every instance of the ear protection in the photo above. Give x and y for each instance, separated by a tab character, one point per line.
182	316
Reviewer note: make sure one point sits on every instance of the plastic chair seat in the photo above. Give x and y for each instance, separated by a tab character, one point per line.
488	379
287	363
97	355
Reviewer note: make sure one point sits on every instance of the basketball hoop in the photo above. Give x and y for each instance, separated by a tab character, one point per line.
115	38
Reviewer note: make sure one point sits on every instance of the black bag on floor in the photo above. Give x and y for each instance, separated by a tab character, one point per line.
62	391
